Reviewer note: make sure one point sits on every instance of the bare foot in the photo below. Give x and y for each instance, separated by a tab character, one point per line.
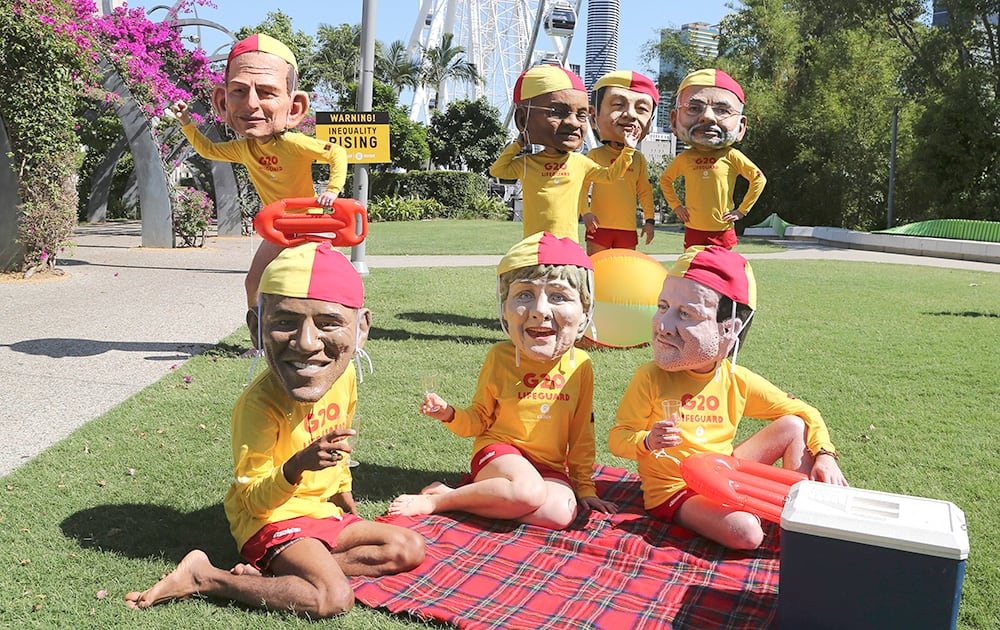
436	488
411	505
244	569
182	582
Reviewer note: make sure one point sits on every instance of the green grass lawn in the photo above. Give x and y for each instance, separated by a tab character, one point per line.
901	361
495	237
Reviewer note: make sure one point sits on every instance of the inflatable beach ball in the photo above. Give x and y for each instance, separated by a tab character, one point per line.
627	284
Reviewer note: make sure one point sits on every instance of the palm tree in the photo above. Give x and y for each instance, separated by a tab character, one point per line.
446	62
395	68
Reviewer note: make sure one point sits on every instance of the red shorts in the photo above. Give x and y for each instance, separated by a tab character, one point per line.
666	511
608	238
274	538
725	238
488	453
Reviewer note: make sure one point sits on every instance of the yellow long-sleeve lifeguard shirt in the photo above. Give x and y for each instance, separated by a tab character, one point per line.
268	428
614	203
709	177
281	168
714	404
551	186
544	409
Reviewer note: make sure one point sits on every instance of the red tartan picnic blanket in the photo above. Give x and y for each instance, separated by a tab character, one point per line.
612	571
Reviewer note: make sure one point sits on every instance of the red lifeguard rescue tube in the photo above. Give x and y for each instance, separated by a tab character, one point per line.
286	222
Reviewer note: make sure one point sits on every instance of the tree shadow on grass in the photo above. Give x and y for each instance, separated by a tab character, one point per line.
146	531
484	331
965	314
397	334
453	319
227	350
60	347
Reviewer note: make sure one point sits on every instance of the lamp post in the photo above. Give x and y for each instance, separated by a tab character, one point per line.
364	104
895	102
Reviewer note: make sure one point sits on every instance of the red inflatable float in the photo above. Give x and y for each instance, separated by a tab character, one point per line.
746	485
289	222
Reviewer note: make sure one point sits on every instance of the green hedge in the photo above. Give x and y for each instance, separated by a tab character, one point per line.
397	208
452	189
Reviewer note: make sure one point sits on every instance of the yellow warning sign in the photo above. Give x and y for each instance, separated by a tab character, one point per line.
364	135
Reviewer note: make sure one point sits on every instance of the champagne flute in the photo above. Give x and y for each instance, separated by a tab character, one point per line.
671	412
429	382
353	439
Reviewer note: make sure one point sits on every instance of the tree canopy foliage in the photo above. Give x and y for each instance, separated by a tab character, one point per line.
467	135
821	81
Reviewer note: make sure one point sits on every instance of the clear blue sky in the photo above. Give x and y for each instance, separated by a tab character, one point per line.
394	19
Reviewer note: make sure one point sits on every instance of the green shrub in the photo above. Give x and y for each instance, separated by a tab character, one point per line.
48	217
398	208
488	207
432	195
453	189
192	215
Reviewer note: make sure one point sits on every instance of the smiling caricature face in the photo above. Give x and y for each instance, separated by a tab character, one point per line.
621	109
557	120
544	316
255	101
309	342
686	335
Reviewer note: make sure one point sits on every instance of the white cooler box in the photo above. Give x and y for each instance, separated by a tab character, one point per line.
856	559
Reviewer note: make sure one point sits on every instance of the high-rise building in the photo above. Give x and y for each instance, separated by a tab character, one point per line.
603	17
939	15
703	38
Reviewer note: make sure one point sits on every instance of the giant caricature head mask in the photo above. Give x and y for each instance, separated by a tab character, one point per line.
551	107
623	99
311	320
709	110
259	99
690	330
545	292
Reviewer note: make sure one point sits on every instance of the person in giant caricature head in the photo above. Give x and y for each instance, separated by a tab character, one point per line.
703	313
545	265
291	484
524	469
311	319
259	100
709	118
550	108
622	102
551	111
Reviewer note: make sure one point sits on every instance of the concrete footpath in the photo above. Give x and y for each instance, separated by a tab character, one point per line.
73	347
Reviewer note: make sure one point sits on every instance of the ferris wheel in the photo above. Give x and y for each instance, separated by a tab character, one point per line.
501	37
